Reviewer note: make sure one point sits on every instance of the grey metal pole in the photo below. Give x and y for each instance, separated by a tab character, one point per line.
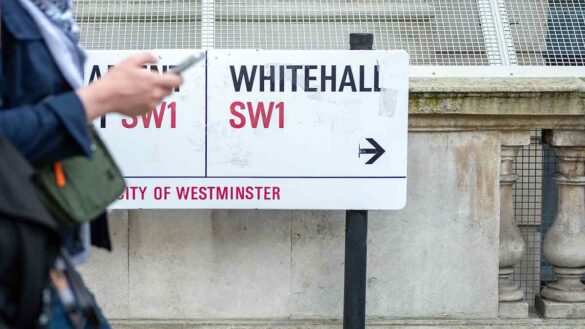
356	234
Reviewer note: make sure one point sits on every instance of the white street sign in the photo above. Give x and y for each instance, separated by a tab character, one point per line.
268	130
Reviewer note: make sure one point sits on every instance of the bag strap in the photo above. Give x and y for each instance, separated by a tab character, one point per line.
84	298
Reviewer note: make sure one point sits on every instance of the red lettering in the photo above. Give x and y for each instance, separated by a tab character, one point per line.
240	116
156	114
182	192
173	107
222	193
129	124
280	107
276	193
260	111
257	112
249	192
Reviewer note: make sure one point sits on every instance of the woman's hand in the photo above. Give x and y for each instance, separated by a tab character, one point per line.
128	89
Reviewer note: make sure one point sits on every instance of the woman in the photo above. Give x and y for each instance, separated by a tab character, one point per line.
44	113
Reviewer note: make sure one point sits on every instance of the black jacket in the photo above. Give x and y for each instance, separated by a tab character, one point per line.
29	242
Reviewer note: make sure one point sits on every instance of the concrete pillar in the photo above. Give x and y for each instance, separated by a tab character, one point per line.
564	244
512	246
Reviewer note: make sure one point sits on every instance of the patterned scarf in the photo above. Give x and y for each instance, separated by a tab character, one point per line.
60	13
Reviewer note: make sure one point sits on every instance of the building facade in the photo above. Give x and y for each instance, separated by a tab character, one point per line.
486	218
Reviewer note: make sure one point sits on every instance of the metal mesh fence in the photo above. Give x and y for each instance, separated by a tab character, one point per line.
143	24
434	32
527	207
535	197
548	32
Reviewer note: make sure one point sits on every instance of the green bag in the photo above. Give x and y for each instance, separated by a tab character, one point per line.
89	185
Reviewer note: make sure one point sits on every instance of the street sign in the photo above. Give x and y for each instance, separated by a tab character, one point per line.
267	129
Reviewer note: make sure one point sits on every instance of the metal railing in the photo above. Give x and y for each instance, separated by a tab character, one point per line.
434	32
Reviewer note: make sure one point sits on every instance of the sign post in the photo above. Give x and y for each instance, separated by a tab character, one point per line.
356	234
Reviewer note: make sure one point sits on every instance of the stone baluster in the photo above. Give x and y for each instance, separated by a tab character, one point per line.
564	244
512	246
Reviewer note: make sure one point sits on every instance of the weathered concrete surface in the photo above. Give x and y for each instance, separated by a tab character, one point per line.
496	103
209	264
558	310
497	96
533	322
317	263
513	310
437	258
107	273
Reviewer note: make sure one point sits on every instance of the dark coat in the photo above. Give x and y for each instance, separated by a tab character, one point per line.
40	114
42	117
29	242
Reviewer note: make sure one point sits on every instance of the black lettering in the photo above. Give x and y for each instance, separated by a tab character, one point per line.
95	73
309	78
243	75
294	70
281	70
363	87
347	79
264	78
377	79
325	78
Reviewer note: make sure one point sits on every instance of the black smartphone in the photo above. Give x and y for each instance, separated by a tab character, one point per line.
186	63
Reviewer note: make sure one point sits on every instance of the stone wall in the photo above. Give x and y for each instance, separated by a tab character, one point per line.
437	258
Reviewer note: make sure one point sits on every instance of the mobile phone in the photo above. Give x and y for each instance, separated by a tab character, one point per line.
186	63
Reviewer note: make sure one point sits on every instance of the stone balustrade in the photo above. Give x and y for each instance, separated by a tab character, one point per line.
512	246
564	244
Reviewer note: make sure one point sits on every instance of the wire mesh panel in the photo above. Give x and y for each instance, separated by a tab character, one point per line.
528	213
434	32
548	32
535	206
550	197
142	24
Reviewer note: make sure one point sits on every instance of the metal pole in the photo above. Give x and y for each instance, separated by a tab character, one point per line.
354	293
356	234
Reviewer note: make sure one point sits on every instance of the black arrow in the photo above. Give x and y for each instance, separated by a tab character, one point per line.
377	151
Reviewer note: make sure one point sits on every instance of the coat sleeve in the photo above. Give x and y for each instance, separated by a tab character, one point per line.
49	131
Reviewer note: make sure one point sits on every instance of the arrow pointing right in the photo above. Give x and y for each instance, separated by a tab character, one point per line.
377	151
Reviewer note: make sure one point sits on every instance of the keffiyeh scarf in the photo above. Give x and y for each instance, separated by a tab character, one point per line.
60	13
